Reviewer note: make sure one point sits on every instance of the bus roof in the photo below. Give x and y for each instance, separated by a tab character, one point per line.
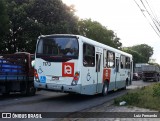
93	42
104	46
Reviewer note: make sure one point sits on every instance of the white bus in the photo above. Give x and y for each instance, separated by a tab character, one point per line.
76	64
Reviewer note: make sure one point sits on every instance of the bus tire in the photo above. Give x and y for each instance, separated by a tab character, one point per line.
126	84
105	89
31	90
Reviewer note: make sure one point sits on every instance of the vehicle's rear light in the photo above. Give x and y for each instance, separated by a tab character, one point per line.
36	75
75	78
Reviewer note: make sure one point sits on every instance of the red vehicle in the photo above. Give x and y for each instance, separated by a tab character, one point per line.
16	73
136	76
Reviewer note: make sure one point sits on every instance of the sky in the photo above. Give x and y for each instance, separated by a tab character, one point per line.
124	18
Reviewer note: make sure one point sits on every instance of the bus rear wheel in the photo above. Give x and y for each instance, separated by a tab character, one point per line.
105	89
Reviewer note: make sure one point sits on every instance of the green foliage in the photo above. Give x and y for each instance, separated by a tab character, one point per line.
137	58
97	32
145	50
31	18
156	90
23	21
141	53
4	24
130	98
4	20
145	97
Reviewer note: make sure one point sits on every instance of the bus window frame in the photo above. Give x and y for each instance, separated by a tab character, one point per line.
107	59
92	63
65	56
124	64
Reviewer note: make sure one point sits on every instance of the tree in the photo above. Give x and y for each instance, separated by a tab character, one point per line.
4	20
145	50
141	53
4	24
97	32
31	18
137	58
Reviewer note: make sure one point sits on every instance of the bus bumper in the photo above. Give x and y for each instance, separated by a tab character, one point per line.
58	87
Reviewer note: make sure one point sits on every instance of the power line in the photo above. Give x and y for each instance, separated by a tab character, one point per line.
153	13
152	18
150	15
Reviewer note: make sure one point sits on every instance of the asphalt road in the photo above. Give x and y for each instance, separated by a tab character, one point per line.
45	101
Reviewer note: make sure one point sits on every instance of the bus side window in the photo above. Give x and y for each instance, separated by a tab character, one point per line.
123	61
88	55
110	59
128	63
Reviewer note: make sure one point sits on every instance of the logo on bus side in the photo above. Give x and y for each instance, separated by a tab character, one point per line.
68	69
106	74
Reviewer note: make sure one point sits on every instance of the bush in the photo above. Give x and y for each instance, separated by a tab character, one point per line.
156	90
145	97
130	98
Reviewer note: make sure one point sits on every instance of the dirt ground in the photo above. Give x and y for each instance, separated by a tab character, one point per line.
110	108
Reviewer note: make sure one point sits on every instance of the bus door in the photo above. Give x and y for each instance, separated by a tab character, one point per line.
88	75
131	72
98	72
117	74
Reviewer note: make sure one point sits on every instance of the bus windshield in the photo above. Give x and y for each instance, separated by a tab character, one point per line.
58	46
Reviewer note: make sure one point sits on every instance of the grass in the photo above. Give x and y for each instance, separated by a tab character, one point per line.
145	97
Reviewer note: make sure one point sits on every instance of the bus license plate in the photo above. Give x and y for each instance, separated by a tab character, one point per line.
55	78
